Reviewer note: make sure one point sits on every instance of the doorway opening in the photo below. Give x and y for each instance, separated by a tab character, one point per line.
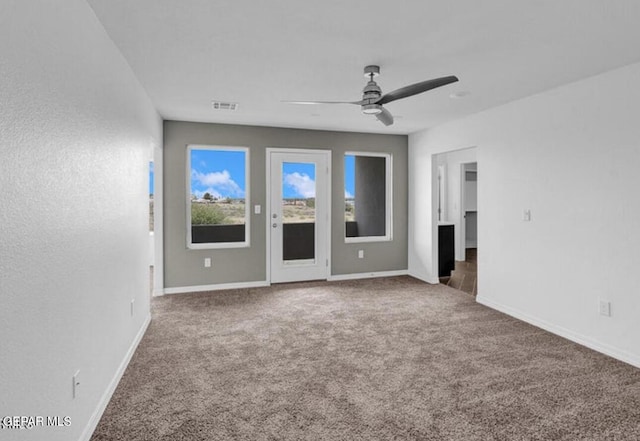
156	222
455	208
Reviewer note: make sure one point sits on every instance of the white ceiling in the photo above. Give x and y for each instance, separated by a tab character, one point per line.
187	53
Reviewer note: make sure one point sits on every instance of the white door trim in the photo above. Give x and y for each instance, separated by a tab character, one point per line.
462	234
269	151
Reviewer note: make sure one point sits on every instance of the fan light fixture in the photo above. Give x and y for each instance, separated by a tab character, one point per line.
371	109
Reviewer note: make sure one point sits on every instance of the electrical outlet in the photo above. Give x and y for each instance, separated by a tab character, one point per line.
360	254
605	308
207	262
526	215
76	383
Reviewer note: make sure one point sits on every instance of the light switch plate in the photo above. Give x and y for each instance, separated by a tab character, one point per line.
76	383
605	308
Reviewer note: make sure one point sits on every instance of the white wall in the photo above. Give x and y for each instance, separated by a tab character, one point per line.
570	155
75	131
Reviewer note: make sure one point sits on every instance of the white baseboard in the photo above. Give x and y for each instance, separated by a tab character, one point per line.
368	275
215	287
425	278
102	404
258	284
583	340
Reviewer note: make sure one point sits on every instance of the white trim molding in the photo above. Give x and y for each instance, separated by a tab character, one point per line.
424	277
106	397
215	287
370	275
575	337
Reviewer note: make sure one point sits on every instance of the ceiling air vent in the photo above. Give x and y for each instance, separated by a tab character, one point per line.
221	105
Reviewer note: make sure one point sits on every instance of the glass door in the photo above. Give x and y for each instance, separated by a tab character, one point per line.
299	227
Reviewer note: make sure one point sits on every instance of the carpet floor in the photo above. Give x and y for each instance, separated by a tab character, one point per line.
377	359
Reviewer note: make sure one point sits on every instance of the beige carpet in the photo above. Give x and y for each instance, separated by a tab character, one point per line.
380	359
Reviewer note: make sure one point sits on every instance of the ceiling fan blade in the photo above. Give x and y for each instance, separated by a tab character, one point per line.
385	117
416	88
323	102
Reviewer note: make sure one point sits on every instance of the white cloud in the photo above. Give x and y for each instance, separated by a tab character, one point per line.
303	185
218	183
347	195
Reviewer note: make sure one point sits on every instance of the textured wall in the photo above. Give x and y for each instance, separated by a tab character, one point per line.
184	267
75	133
570	155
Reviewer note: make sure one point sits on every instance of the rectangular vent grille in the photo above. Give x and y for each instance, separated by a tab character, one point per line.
220	105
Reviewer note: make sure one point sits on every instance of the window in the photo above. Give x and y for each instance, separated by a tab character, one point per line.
298	212
217	197
367	196
151	186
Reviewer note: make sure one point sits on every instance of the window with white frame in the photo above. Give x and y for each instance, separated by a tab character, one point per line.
367	195
217	196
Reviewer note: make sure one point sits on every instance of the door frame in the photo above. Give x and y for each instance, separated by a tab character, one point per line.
435	159
462	234
269	151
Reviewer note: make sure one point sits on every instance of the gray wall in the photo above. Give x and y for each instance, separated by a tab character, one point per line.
184	267
370	177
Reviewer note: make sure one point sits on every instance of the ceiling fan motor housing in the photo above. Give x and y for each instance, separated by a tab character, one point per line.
371	92
370	98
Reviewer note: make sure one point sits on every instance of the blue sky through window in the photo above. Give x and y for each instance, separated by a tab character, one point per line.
151	177
299	180
349	176
221	173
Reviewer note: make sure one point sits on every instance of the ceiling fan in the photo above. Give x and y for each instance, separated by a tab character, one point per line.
373	100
